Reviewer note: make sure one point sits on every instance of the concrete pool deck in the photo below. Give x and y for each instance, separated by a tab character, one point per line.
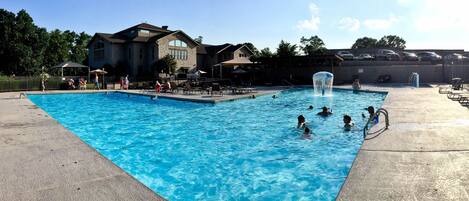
423	156
42	160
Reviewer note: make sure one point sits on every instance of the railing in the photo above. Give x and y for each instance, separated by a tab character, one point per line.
377	113
287	82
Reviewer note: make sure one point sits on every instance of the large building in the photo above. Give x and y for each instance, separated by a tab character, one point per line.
134	50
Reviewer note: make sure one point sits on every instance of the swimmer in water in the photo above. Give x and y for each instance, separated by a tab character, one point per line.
274	96
310	107
373	118
348	123
306	134
325	112
301	122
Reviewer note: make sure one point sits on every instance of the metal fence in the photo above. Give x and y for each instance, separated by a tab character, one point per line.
28	84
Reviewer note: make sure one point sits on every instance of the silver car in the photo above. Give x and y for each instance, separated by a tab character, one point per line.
346	55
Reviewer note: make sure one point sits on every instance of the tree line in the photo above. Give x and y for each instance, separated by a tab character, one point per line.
315	45
25	48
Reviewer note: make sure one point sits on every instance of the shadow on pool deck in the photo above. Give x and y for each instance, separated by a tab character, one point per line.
423	156
41	160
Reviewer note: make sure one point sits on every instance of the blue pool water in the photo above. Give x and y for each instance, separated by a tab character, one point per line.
241	150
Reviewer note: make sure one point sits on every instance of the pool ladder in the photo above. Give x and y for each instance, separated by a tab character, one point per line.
377	113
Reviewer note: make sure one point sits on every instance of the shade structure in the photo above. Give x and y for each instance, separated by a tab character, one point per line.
237	61
232	63
69	64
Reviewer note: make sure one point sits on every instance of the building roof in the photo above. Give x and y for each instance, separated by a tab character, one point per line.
144	26
215	49
69	64
119	37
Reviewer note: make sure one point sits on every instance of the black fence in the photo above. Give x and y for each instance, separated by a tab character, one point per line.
28	84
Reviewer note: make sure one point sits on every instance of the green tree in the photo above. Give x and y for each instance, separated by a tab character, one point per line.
7	42
266	53
392	41
79	52
57	49
286	49
312	45
365	42
167	64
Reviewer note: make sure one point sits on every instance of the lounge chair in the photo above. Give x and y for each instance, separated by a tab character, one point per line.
216	89
457	95
456	84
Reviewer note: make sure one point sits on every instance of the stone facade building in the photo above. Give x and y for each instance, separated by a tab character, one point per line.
134	50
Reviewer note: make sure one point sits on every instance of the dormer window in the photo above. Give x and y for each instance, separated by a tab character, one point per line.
177	43
144	32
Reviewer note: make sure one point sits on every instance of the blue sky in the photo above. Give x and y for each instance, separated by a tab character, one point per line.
423	23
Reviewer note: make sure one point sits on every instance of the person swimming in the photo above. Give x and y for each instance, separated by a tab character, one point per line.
325	112
374	118
310	107
301	122
274	96
348	123
306	134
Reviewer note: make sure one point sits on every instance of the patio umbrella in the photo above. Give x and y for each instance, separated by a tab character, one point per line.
98	71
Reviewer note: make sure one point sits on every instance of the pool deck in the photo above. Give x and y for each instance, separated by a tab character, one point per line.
423	156
42	160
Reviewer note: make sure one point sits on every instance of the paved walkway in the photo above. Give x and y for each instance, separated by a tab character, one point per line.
41	160
423	156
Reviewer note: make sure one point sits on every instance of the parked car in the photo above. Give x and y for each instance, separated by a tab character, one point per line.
429	56
365	56
454	57
409	56
466	56
346	55
389	55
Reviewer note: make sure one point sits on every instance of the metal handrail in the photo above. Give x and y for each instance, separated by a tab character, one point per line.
377	113
287	82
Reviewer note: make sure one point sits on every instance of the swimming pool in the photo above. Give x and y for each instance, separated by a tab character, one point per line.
240	150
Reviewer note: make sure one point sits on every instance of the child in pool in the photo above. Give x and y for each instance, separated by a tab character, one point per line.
306	134
301	122
348	123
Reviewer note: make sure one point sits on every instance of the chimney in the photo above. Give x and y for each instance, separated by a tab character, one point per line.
165	27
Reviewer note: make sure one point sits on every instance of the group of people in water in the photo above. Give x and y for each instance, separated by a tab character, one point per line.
326	112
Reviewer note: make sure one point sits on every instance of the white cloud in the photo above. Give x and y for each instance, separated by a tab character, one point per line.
349	24
313	23
441	15
380	24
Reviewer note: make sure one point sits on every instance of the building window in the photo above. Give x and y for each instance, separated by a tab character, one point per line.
140	53
178	54
143	31
177	43
98	50
130	53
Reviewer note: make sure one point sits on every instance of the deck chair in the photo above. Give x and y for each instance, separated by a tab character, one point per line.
216	89
456	84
